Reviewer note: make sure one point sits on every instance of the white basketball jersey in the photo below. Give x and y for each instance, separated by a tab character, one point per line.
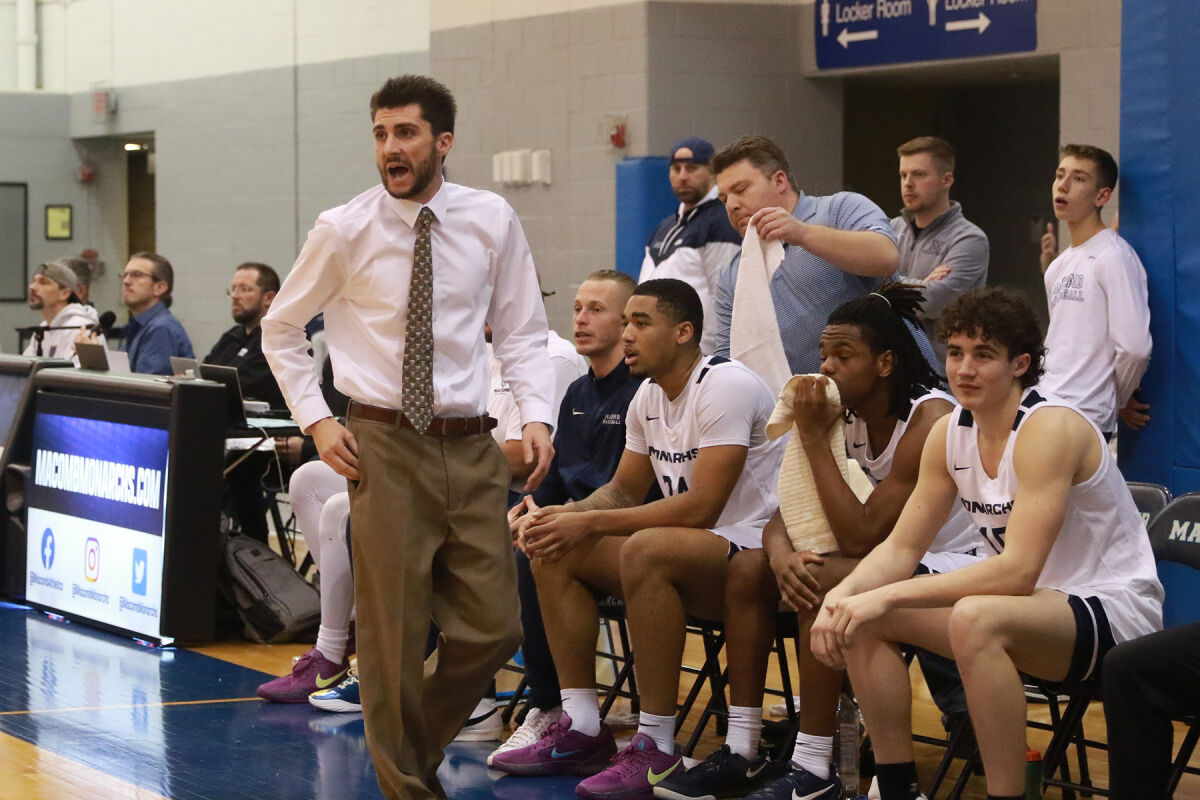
724	403
959	534
1102	548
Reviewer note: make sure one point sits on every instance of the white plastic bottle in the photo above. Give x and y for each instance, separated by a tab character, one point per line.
848	747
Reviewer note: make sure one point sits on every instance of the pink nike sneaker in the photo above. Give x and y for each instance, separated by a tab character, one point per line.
634	773
560	751
312	673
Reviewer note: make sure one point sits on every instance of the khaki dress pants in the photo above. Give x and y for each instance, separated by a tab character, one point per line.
430	541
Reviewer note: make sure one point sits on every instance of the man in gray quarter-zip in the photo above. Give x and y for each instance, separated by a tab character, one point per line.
939	248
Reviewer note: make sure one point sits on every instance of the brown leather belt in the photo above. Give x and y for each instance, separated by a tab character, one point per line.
440	426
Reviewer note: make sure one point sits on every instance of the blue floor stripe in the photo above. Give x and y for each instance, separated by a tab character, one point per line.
96	699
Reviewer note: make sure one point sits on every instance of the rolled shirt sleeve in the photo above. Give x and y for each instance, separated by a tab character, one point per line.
312	282
519	329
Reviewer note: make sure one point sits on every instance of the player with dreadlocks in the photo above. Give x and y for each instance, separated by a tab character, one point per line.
889	404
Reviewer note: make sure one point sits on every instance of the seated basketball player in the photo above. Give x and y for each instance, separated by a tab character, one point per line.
888	408
698	428
1072	571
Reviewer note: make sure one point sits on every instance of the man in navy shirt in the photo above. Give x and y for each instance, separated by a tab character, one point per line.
696	243
153	334
588	443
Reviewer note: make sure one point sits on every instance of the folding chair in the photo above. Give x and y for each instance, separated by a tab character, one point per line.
516	664
624	684
959	743
1150	498
1175	537
717	706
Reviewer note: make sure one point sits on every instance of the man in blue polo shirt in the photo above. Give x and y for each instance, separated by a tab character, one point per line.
836	248
588	443
696	243
153	334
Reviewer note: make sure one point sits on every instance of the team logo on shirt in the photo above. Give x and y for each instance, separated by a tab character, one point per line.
993	509
1068	287
673	458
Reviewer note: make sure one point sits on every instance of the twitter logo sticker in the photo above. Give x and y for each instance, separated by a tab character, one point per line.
139	570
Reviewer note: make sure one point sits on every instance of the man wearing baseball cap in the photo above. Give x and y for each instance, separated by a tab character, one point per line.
52	292
696	242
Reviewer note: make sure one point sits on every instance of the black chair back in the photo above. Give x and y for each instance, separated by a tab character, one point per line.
1150	498
1175	537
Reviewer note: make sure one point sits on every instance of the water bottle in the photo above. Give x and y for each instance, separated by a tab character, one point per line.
847	741
1033	775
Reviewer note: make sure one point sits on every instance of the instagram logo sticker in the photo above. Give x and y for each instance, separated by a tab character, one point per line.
91	559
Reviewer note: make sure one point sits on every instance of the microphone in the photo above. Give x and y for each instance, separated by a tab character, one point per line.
105	326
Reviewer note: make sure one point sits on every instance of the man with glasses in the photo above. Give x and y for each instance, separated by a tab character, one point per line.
153	334
253	288
251	292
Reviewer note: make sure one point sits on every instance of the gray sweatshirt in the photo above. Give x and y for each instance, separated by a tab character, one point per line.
950	239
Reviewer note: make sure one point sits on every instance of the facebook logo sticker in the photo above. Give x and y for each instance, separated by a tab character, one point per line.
48	549
139	571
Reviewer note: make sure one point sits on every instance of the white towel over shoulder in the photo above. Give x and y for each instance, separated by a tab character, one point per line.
754	336
799	503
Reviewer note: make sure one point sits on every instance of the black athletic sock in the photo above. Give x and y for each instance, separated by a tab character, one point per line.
897	781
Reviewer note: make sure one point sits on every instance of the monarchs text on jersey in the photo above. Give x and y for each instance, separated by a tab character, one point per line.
723	403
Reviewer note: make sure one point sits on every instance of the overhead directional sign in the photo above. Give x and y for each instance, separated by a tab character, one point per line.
861	33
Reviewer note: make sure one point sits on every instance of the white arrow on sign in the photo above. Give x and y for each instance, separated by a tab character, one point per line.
846	37
980	23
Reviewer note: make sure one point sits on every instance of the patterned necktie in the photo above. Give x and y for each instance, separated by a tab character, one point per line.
417	400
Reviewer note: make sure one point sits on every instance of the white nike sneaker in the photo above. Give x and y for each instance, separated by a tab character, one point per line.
537	721
780	709
484	724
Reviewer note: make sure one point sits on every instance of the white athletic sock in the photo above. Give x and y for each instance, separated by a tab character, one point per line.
813	753
331	643
583	708
745	727
660	729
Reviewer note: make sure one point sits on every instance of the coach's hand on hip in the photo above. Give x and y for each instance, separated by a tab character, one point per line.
535	439
337	446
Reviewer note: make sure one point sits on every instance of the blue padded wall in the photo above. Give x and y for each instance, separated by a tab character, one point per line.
1160	198
644	197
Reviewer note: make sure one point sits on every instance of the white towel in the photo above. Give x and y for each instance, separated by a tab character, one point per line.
754	336
799	503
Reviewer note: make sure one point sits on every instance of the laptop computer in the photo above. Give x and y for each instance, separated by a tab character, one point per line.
98	357
181	366
235	411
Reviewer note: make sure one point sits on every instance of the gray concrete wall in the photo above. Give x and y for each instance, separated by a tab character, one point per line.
244	163
670	69
722	70
35	149
551	82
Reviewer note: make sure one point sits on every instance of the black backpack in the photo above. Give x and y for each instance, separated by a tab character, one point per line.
274	603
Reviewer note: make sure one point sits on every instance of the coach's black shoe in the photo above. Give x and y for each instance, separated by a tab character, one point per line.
724	774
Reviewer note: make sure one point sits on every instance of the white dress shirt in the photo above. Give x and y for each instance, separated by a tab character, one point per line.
356	267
